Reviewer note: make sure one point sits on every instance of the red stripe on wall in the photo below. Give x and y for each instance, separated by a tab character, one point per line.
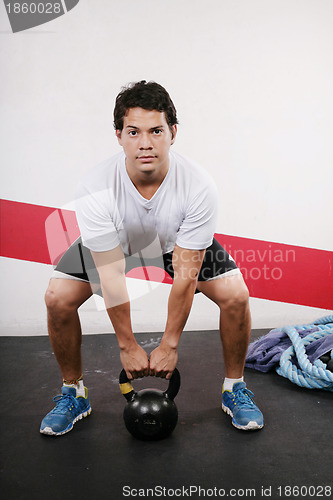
35	233
286	273
272	271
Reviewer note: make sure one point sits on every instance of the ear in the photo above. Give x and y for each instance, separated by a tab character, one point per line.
118	134
173	133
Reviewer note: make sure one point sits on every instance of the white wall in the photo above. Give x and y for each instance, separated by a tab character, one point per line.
252	82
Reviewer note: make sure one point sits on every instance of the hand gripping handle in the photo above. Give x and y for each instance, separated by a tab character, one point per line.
128	392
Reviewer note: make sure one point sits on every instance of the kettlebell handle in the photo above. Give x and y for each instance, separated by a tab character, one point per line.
128	392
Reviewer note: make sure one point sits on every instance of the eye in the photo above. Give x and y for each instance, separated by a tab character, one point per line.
132	133
158	131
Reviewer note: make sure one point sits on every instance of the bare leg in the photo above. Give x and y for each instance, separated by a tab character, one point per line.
232	297
63	298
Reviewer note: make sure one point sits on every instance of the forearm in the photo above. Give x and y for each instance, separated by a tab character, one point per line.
118	308
179	307
111	270
186	264
121	321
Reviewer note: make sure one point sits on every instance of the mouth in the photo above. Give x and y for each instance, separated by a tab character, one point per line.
146	158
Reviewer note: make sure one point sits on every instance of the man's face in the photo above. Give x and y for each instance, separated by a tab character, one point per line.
146	139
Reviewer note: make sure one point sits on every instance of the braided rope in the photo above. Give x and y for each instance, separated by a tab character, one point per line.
311	376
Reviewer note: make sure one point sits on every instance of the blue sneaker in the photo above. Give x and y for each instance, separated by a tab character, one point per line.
68	410
239	404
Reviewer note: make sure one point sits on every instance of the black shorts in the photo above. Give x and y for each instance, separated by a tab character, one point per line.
77	263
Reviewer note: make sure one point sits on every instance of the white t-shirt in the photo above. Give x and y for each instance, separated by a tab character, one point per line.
111	211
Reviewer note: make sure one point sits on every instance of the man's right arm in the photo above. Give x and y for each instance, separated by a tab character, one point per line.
111	269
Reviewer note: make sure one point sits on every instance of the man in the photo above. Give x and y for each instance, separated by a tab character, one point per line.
146	206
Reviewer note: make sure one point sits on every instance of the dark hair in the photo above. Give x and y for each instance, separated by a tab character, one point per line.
150	96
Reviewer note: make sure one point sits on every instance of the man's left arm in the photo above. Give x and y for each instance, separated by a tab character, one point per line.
186	264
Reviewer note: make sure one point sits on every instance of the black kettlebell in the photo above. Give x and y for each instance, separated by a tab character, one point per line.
150	414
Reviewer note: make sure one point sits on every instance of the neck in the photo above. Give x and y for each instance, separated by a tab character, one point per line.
147	183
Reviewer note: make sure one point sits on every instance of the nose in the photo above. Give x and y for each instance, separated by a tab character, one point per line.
145	142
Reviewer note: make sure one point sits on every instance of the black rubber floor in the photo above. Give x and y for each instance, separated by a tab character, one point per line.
206	457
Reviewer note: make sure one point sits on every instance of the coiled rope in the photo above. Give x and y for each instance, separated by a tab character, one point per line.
311	376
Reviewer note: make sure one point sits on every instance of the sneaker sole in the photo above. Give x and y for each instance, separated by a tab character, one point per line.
250	426
49	432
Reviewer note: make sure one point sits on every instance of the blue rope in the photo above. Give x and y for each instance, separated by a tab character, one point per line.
311	376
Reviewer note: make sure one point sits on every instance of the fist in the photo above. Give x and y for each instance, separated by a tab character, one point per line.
163	361
135	362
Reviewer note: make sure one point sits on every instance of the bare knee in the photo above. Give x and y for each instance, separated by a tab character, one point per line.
65	295
237	300
56	302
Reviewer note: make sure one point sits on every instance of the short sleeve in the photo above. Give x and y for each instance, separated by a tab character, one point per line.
94	213
198	227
